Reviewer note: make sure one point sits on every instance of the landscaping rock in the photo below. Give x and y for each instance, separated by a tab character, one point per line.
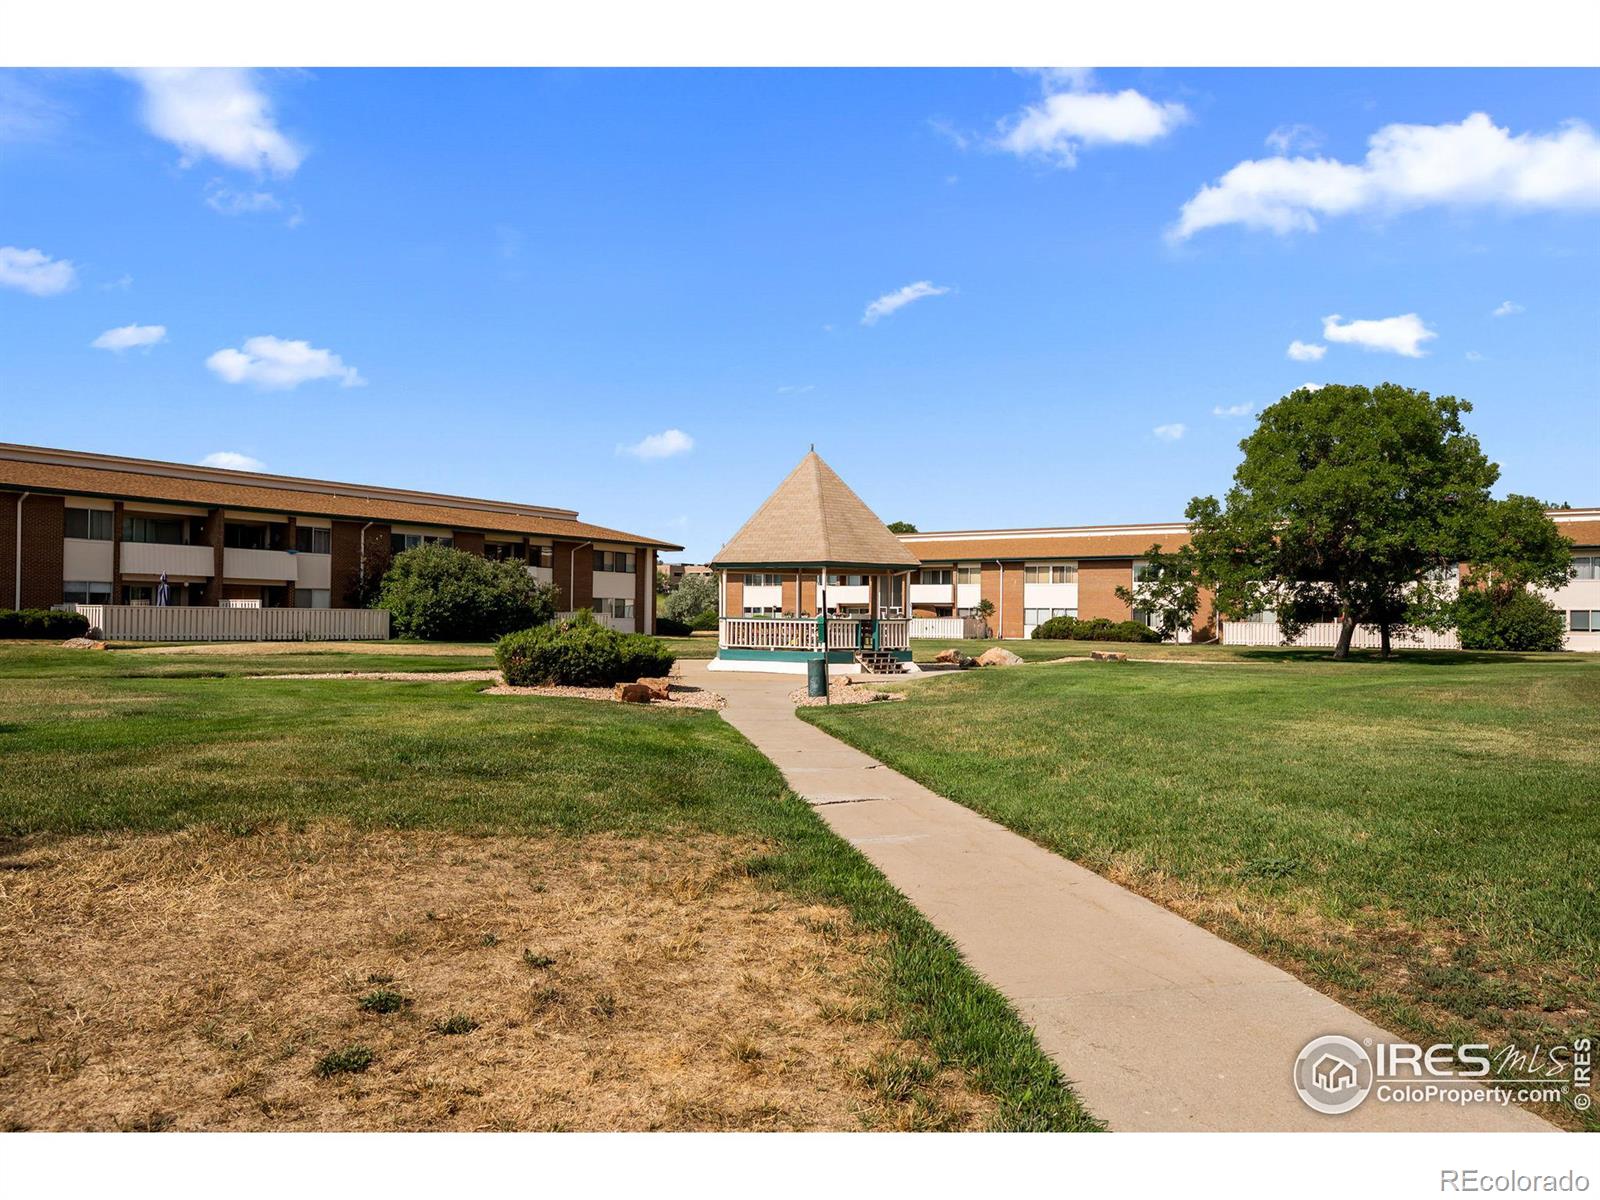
1108	656
632	693
83	643
659	688
998	656
951	655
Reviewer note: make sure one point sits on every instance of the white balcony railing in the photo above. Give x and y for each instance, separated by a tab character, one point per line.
152	558
258	564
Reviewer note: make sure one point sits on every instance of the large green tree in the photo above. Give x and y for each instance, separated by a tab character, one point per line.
1355	504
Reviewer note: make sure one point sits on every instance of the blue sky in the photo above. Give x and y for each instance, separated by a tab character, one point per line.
504	279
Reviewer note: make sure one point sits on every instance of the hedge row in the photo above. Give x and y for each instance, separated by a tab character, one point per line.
41	623
580	653
1099	629
700	622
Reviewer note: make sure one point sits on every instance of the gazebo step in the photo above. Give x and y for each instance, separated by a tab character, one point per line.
879	662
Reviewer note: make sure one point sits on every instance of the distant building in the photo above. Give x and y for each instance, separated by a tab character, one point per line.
673	573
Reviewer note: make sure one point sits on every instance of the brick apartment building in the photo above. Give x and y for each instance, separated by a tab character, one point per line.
101	529
1031	575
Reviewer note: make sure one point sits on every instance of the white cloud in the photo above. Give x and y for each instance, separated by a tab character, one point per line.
660	445
218	114
1474	162
232	203
121	284
233	461
1398	335
1286	139
1508	308
1061	124
274	364
1171	432
130	337
892	302
35	272
1232	410
1312	387
1305	351
26	113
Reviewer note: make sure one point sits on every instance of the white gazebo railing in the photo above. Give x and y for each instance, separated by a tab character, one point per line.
800	633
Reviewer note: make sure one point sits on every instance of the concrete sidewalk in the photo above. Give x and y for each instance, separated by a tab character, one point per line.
1158	1024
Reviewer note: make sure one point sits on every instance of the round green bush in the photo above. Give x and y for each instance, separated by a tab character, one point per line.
667	627
1521	620
41	623
443	594
580	653
1096	629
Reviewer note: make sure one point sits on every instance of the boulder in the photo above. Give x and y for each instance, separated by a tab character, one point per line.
660	689
1108	656
83	643
951	655
998	656
631	693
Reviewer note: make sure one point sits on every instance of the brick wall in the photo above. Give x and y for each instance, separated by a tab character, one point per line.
1098	579
42	548
573	571
735	596
1013	607
643	587
468	540
211	534
345	564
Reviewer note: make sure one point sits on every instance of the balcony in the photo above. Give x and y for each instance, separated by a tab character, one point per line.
152	558
259	564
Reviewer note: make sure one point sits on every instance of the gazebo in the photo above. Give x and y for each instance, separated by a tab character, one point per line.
814	571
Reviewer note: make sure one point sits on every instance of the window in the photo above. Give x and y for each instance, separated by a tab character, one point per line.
255	537
83	591
1144	572
165	531
540	556
937	578
620	609
1587	565
1584	620
138	593
613	560
312	597
505	551
1038	616
847	581
1050	573
769	580
401	542
969	573
93	524
311	540
760	610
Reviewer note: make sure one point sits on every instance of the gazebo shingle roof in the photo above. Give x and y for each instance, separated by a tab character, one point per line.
814	519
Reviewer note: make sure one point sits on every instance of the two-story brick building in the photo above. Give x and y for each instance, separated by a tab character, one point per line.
102	529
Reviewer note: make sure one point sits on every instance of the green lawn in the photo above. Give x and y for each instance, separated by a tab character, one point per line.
128	740
1420	838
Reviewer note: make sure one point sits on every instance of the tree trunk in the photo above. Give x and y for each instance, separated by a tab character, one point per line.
1384	633
1347	630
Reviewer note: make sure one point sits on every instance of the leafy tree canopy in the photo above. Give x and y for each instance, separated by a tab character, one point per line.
1355	503
444	594
1169	590
902	527
694	594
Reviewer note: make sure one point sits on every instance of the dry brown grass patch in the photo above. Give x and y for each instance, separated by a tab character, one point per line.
194	980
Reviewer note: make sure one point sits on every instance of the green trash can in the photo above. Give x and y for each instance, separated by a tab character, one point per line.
817	676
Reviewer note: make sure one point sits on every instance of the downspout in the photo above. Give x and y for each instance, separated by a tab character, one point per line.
17	601
572	576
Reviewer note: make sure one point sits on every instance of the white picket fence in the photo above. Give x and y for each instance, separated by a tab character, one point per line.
1326	634
178	623
946	628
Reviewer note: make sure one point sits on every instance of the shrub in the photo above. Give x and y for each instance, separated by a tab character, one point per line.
704	622
443	594
667	627
1489	619
41	623
1096	629
580	653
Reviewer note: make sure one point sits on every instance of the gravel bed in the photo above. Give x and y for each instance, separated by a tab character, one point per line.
683	696
397	676
842	691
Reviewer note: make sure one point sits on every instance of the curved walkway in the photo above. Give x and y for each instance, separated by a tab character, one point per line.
1159	1024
